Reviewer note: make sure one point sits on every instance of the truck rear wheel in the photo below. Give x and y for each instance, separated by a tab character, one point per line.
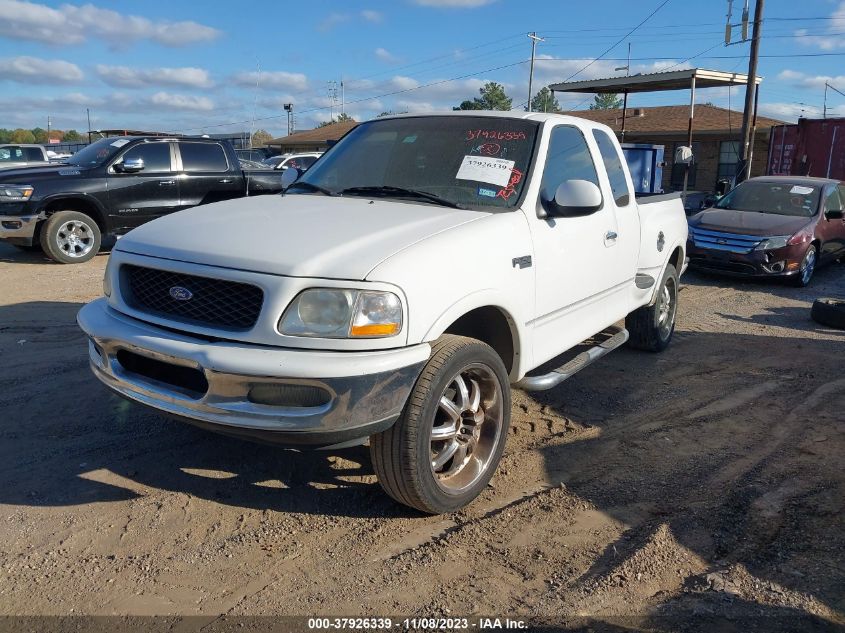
445	448
651	327
70	237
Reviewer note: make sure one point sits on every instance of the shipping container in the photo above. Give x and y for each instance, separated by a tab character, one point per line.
812	147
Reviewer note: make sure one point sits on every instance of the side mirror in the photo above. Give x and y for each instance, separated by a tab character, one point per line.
290	176
130	166
575	197
833	214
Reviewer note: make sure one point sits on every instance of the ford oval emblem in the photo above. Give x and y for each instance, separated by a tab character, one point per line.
181	294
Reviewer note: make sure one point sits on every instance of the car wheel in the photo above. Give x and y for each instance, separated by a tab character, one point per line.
806	269
830	312
70	237
651	327
447	443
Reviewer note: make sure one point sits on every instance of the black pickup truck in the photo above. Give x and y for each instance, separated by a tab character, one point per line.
116	184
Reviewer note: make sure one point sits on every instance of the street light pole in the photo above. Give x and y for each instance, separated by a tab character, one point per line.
534	39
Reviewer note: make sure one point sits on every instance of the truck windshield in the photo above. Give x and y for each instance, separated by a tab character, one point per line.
454	161
97	153
773	197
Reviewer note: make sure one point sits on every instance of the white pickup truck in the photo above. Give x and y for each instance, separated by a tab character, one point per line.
395	292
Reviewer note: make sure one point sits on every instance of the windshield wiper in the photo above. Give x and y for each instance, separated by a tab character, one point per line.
313	187
387	190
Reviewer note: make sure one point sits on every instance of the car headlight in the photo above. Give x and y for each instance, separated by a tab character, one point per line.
772	243
15	193
342	313
107	279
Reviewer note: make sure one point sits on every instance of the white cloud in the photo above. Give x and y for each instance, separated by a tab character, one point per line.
126	77
386	56
372	16
802	80
454	4
73	24
790	111
831	38
272	80
168	101
32	70
332	20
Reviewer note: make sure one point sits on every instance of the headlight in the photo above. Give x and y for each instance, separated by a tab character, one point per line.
15	193
772	243
339	313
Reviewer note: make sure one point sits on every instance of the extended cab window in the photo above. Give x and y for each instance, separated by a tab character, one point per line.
156	156
613	166
568	158
203	157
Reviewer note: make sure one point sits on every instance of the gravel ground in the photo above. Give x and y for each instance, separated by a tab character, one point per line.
650	492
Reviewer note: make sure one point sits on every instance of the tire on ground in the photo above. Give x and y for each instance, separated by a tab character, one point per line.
830	312
643	324
401	455
56	226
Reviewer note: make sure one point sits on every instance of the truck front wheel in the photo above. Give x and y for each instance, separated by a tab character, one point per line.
70	237
445	447
651	327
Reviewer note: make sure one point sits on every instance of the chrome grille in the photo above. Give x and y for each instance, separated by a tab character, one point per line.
226	304
720	241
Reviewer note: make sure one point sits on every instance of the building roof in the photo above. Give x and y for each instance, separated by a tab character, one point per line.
320	135
655	82
674	120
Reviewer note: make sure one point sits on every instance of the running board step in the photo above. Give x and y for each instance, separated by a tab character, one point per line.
584	359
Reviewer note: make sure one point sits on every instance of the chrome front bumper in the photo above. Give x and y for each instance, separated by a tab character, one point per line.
19	229
365	392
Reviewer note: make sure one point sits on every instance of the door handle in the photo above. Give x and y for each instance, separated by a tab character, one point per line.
225	181
610	236
166	183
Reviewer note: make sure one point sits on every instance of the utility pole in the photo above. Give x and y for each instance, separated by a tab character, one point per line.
743	166
342	97
49	121
88	113
332	92
534	39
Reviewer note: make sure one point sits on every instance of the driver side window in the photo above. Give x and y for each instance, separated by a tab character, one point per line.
156	156
568	158
833	200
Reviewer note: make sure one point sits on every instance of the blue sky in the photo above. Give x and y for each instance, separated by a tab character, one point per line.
213	66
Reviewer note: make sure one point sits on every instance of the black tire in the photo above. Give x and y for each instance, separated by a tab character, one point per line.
802	278
830	312
404	455
70	237
648	329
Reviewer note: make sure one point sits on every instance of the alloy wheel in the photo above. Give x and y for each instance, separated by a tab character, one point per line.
75	238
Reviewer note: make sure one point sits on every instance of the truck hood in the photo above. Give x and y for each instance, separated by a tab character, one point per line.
748	222
299	235
29	175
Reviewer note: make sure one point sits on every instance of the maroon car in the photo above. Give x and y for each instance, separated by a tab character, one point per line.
772	226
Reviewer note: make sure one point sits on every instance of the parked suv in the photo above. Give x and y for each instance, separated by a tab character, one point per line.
299	161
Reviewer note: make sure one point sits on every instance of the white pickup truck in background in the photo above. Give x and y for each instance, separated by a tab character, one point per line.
16	155
397	290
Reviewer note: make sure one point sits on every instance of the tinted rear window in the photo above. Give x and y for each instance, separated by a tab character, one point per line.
203	157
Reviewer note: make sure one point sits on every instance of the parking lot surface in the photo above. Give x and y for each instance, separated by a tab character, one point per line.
649	488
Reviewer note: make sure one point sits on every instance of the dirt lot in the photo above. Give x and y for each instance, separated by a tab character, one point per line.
650	491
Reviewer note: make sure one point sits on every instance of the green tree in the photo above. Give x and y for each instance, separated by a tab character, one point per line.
606	102
390	113
22	136
5	135
493	97
72	136
340	119
39	134
260	138
545	101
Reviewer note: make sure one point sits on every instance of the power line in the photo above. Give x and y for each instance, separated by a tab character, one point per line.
650	15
